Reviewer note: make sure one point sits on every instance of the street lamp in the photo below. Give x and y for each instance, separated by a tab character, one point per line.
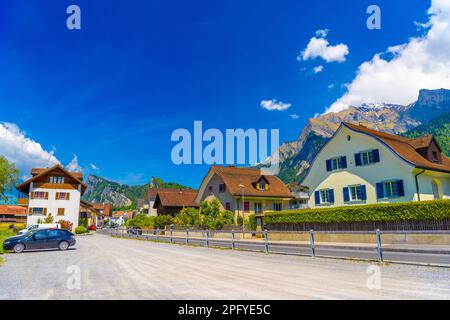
243	205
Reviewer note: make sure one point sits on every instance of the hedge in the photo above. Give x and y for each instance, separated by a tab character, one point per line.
412	211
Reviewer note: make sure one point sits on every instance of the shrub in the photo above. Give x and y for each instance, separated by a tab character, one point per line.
412	211
188	217
49	218
80	230
250	223
142	221
3	235
163	220
66	224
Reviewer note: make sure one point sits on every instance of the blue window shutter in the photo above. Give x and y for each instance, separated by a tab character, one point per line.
363	192
376	155
328	165
331	195
346	191
400	188
344	162
357	159
380	190
317	197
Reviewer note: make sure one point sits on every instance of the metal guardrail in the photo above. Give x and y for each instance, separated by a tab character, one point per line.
259	241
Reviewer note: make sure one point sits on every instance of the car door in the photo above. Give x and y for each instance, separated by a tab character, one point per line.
54	237
39	240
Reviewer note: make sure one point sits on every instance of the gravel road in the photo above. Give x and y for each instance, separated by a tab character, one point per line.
112	268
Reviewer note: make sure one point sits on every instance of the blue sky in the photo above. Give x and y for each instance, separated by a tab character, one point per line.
113	92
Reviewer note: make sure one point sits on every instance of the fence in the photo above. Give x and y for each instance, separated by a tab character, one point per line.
430	225
259	241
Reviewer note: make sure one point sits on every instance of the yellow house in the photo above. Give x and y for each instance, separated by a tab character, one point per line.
363	166
245	191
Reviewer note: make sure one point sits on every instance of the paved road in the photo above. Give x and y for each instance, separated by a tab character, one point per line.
113	268
403	254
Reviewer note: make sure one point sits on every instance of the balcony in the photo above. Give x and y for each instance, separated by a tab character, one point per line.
22	201
301	195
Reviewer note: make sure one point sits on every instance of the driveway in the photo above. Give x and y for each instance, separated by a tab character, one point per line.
101	267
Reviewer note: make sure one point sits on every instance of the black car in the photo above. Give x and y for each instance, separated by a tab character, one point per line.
40	239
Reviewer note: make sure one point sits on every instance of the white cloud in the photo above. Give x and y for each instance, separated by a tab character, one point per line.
73	166
294	116
319	47
273	104
422	63
94	167
331	86
318	69
23	151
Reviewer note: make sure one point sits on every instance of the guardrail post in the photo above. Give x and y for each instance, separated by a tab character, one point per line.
232	240
207	238
266	242
311	243
187	236
171	237
379	248
157	234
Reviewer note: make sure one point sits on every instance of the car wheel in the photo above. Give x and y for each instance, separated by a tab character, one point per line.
19	247
63	245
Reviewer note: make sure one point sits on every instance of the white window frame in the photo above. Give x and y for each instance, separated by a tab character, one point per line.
336	163
390	185
324	196
357	194
369	157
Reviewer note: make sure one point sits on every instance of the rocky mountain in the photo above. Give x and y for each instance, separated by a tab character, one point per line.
296	156
101	190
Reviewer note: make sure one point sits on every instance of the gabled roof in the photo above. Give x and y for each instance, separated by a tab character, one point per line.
177	197
233	177
78	177
406	148
87	205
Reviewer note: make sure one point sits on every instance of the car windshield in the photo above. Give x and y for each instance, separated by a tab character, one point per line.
27	234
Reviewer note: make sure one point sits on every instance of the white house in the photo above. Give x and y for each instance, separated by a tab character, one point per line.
363	166
54	191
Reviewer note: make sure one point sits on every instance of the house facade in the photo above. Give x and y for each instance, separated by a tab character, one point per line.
363	166
54	191
146	204
13	214
172	201
245	191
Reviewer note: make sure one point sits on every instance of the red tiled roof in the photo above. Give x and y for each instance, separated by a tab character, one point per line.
12	210
407	148
233	177
177	197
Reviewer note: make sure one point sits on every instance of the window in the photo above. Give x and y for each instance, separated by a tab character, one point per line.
53	233
39	195
222	187
336	163
258	207
390	189
41	235
61	211
210	189
435	156
228	206
324	196
246	206
56	179
367	157
276	206
355	193
38	211
62	196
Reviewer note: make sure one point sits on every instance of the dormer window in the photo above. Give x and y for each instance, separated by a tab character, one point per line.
435	157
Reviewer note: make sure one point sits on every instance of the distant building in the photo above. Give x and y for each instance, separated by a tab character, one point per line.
172	201
54	191
245	191
13	214
363	166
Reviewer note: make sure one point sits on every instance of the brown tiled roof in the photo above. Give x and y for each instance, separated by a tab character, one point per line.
106	207
12	210
151	194
233	177
407	148
78	177
177	197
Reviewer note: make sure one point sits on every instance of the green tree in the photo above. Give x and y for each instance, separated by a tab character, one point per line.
49	218
189	217
163	220
9	174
